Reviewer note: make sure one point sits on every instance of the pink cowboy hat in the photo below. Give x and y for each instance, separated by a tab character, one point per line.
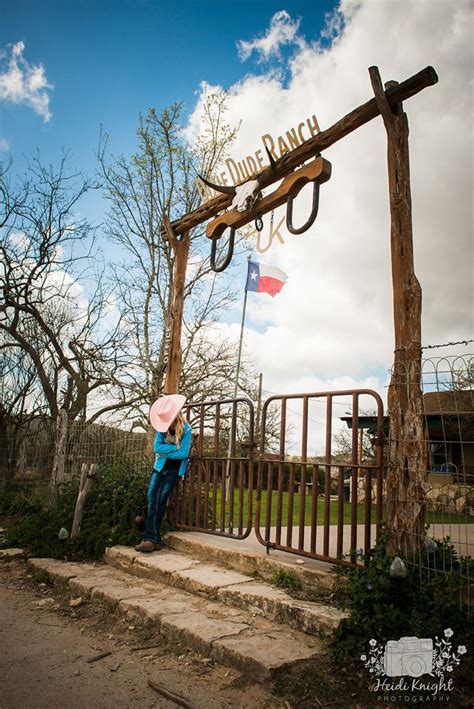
164	411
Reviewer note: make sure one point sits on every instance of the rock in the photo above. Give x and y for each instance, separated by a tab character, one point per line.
460	504
75	602
45	602
11	553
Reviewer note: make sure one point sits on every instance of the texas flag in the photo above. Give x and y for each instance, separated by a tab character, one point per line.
265	279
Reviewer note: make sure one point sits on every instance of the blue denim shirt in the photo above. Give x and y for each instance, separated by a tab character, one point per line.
165	450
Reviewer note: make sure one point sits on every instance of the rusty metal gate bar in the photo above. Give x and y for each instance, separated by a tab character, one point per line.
327	550
218	488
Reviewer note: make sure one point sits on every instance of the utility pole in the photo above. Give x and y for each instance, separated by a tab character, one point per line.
259	407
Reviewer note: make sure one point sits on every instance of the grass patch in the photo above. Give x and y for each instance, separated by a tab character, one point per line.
431	517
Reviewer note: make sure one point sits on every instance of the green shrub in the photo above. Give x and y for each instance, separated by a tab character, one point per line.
422	604
286	579
20	501
115	497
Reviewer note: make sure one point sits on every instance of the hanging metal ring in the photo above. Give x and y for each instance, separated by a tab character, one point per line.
259	224
312	216
230	252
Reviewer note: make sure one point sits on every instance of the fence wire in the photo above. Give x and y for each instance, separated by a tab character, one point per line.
445	497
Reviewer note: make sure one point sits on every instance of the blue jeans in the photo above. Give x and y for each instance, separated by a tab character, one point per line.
161	486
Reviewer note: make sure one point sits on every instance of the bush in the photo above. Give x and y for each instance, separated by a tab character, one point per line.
286	579
20	502
115	497
422	604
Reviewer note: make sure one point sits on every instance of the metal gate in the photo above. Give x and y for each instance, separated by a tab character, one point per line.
315	503
217	491
308	500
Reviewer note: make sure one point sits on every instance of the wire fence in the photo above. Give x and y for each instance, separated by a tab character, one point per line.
444	501
28	453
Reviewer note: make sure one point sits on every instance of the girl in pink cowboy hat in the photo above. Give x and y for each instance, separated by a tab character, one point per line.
172	446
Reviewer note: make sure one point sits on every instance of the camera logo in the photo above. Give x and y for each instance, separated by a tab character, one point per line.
411	657
408	657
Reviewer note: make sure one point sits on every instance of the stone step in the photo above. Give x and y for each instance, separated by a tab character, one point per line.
235	637
250	556
231	587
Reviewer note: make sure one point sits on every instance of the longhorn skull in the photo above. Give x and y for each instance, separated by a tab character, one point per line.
244	196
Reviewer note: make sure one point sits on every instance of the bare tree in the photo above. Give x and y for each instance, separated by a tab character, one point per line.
55	309
343	444
156	183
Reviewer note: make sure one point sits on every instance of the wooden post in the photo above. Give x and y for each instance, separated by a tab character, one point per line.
407	450
57	473
87	478
181	253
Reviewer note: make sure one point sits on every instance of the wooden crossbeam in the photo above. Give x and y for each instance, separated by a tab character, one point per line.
319	170
319	142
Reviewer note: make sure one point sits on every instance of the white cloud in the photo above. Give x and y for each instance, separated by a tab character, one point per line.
24	84
334	319
4	145
282	30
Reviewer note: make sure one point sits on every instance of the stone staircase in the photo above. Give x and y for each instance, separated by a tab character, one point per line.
222	613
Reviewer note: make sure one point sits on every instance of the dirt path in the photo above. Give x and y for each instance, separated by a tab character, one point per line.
45	644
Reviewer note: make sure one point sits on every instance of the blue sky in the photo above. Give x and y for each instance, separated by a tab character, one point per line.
107	61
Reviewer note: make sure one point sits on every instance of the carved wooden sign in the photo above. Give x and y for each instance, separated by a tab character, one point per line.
317	171
238	171
248	204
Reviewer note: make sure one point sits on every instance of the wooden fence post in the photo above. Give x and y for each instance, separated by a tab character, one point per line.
59	461
407	450
87	478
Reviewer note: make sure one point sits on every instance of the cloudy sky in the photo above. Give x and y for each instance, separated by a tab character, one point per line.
331	326
67	68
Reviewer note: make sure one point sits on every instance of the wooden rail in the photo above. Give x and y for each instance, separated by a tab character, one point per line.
288	162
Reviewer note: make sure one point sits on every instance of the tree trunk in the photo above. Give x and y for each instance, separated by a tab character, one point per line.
57	473
407	450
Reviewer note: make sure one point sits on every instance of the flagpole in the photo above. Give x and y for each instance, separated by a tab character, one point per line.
239	359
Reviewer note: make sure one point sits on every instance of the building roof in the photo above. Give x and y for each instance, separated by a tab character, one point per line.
436	404
449	402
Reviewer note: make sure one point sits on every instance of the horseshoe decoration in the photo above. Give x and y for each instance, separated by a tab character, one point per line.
317	171
312	216
230	251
